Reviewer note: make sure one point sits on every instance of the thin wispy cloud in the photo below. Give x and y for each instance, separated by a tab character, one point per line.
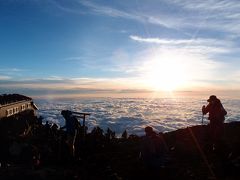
109	11
7	72
4	77
76	85
67	9
135	15
175	41
77	58
197	45
167	20
11	70
218	15
219	5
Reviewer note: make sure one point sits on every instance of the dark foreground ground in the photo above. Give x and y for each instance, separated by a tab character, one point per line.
43	153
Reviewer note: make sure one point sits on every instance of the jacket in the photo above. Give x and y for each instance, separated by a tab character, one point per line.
216	111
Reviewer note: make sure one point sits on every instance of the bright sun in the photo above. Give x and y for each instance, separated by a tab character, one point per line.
166	73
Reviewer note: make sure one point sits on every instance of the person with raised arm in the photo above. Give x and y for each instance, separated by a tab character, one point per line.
216	116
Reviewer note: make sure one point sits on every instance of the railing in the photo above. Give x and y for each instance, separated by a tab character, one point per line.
80	115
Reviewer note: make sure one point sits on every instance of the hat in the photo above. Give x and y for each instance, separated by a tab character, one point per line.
212	98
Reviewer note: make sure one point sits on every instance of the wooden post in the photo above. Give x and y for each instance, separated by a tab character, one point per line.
83	116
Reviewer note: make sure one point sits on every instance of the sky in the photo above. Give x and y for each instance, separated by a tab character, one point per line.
79	47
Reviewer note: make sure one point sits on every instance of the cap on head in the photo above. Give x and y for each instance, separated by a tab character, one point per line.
212	98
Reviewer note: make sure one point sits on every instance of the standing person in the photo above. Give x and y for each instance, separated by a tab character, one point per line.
216	117
71	126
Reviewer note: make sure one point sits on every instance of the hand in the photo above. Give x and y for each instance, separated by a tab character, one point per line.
203	108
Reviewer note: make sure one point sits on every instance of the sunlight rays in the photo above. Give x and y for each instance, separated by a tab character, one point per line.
165	72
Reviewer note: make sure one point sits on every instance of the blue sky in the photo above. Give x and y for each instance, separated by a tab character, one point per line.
74	46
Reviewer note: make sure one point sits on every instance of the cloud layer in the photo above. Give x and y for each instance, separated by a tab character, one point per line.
135	114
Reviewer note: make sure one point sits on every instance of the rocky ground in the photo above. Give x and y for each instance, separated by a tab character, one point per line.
40	153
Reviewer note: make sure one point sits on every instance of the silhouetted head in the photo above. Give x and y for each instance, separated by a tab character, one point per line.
212	98
65	113
149	131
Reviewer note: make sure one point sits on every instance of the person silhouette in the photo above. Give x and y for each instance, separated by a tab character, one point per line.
152	149
71	125
216	117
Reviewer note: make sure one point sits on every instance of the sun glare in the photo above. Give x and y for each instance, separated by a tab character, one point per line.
166	73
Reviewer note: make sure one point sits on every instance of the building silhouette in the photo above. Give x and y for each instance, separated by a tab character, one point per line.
15	104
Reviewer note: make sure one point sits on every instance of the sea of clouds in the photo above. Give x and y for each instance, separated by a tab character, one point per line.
132	114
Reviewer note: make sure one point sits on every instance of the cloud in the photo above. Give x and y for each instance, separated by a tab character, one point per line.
189	18
197	41
11	70
217	15
76	58
72	86
134	115
64	8
216	5
130	14
109	11
194	45
214	15
4	77
202	15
